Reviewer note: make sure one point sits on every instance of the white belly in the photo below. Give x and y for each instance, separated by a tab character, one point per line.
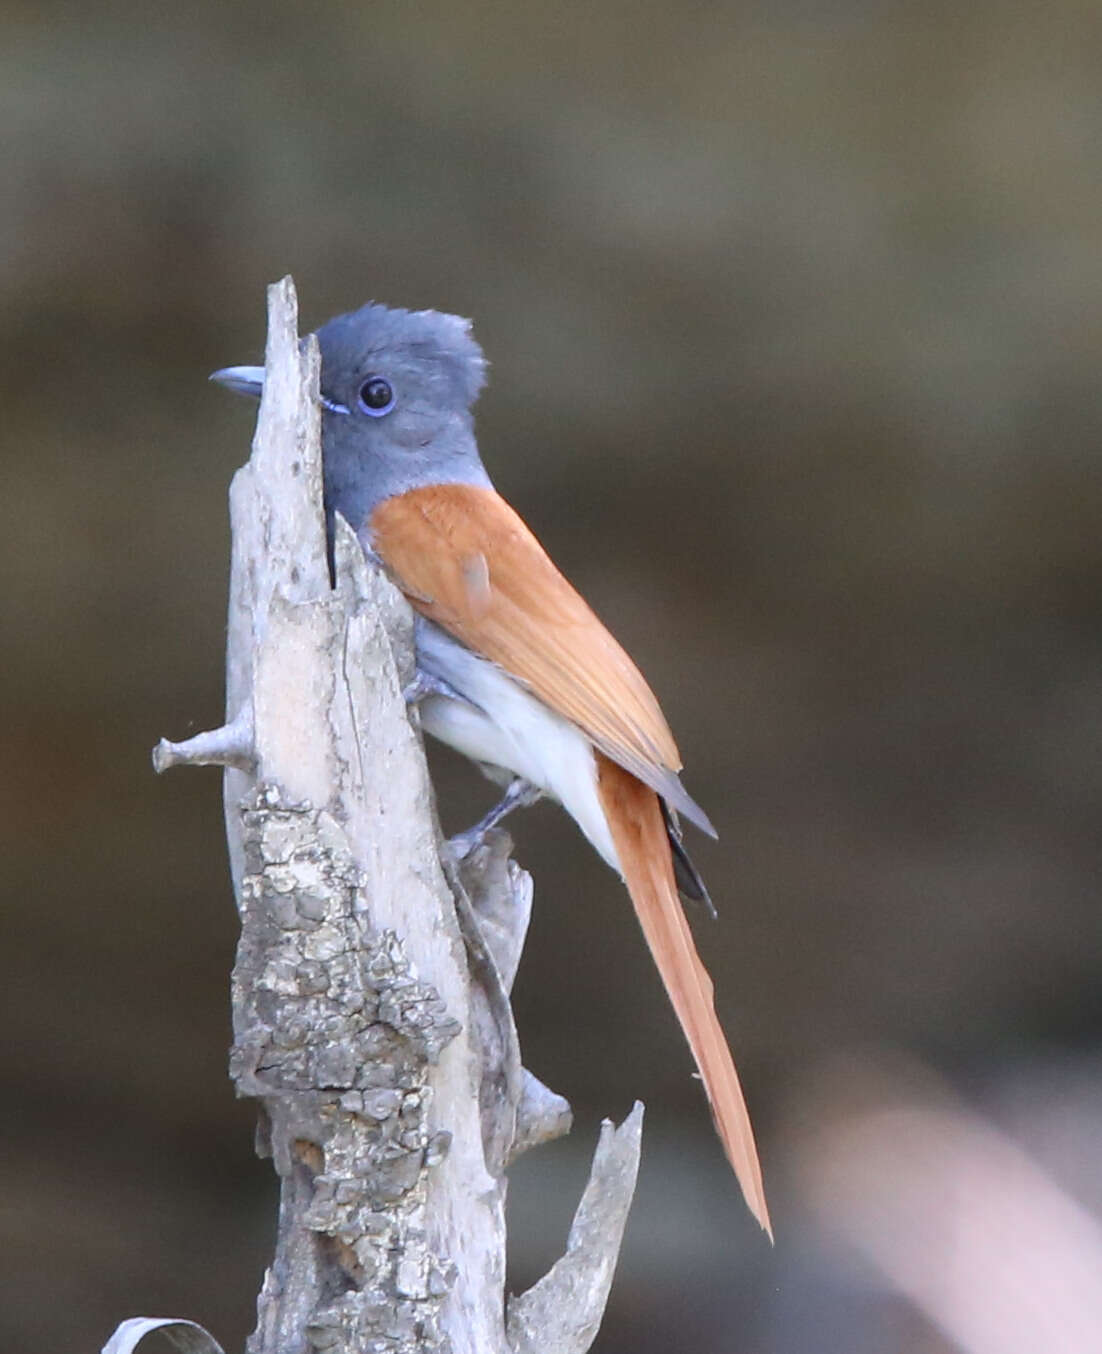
506	726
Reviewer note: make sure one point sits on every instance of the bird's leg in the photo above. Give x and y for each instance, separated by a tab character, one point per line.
520	794
427	684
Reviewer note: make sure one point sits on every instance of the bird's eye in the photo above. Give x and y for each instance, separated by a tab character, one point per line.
376	397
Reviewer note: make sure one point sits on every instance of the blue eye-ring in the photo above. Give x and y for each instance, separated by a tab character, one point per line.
376	397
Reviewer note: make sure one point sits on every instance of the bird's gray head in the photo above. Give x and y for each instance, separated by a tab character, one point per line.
397	388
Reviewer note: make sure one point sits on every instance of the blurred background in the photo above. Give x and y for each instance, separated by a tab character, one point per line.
794	313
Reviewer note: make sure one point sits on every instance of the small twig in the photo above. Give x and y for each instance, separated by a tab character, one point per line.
230	745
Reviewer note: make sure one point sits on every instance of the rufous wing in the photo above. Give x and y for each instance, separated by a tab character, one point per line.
466	560
639	835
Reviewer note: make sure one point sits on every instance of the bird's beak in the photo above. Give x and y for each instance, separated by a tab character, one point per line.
241	380
250	381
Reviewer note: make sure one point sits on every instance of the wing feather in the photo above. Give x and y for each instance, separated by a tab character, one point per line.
466	560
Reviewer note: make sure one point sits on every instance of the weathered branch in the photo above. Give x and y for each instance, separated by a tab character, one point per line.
370	994
562	1311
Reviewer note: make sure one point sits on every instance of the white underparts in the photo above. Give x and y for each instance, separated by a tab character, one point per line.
500	724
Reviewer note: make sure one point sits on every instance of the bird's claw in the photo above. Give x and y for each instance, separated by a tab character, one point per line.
519	795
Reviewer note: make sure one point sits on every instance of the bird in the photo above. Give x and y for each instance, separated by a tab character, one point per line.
513	668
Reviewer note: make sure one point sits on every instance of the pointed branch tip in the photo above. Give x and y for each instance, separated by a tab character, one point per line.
563	1310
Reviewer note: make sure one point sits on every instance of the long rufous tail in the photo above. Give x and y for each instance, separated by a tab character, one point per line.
635	819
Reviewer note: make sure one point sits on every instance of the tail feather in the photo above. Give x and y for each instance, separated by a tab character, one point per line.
638	831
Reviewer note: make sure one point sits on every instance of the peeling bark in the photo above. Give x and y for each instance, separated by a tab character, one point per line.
371	990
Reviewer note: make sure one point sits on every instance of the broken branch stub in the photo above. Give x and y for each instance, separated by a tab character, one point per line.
370	994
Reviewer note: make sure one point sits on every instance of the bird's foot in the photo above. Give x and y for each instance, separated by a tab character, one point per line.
425	684
521	794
